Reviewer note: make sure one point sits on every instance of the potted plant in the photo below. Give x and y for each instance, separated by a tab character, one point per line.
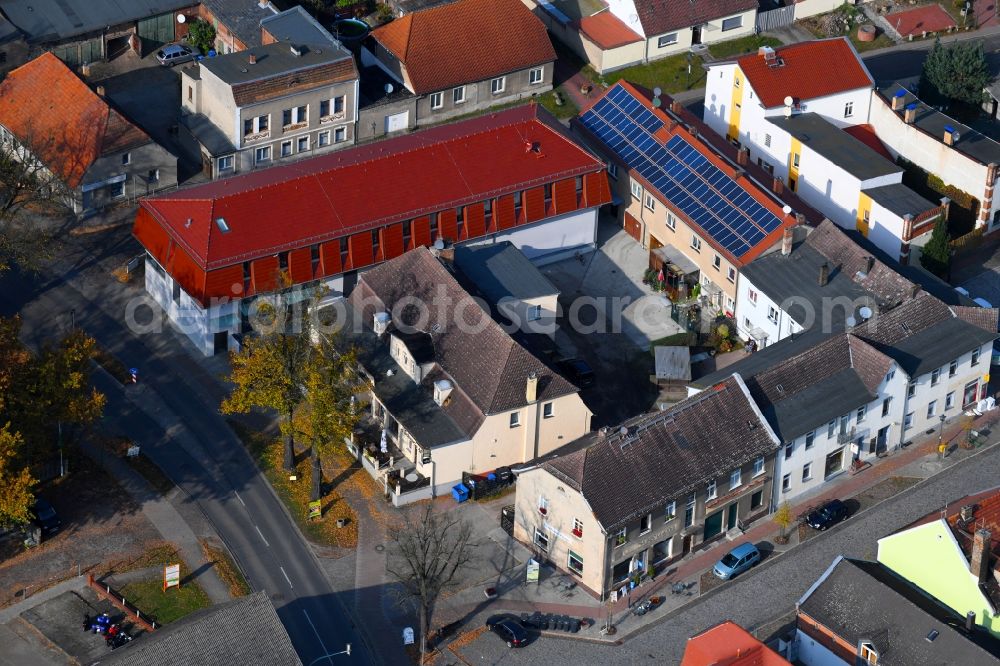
543	510
577	533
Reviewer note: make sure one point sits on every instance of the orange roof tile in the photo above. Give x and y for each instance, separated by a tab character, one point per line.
810	69
66	124
466	41
729	644
607	30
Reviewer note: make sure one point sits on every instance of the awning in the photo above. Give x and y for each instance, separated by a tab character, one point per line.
675	260
757	334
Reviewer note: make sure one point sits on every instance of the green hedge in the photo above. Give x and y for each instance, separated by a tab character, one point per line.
964	207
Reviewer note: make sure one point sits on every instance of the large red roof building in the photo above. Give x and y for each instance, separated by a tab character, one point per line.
492	177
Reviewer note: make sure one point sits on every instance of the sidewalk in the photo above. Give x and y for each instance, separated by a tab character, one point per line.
919	459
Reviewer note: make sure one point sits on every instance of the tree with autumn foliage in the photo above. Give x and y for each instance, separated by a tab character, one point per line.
16	482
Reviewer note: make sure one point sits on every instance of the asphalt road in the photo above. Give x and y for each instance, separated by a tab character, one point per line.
767	592
190	441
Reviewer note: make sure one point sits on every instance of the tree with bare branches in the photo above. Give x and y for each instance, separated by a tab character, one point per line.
428	552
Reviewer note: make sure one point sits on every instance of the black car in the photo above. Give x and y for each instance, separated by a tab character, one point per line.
827	515
46	517
577	371
509	629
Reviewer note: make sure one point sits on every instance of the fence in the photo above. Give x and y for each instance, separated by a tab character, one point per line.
775	18
120	603
969	241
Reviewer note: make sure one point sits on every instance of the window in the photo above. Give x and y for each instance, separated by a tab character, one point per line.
695	243
255	125
575	563
262	154
908	421
807	471
975	356
620	537
732	23
636	189
868	654
117	189
541	540
613	170
752	296
543	505
731	275
458	94
190	94
498	84
911	389
515	419
831	429
772	314
767	140
848	109
126	159
646	523
536	76
712	491
935	377
547	411
758	466
153	176
671	222
286	148
885	406
889	375
734	479
338	107
340	135
757	500
302	145
649	202
225	163
293	116
716	262
577	527
810	439
666	40
952	368
786	483
969	393
437	100
862	411
689	510
949	400
931	408
789	447
795	159
324	138
671	511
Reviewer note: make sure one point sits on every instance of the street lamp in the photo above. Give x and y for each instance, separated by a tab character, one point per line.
941	446
346	650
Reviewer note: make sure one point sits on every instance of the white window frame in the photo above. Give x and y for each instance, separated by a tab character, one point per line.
772	314
932	408
935	376
735	479
810	439
298	144
458	95
731	275
636	189
717	262
620	537
786	482
286	148
908	421
666	40
340	132
848	109
649	202
266	150
294	115
645	524
695	243
548	410
257	126
712	491
534	313
862	413
949	400
577	526
953	368
536	75
569	562
323	139
437	101
541	540
758	466
226	160
807	471
126	159
752	296
671	222
975	356
515	419
613	170
671	511
739	23
498	85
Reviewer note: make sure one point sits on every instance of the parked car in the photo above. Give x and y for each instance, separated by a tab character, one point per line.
827	515
737	561
174	54
509	629
46	517
577	371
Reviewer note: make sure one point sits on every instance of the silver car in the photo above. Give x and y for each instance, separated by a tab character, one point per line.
173	54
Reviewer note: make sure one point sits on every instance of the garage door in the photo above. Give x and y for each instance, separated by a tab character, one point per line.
397	121
156	30
633	227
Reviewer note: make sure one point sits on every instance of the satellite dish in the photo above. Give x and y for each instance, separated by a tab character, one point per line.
865	312
388	89
657	92
181	18
787	209
789	101
656	101
955	136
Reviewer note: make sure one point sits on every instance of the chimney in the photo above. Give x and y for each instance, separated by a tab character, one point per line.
531	388
967	512
915	290
970	621
676	106
949	135
100	91
693	130
991	174
800	218
979	563
898	99
743	156
945	207
910	114
777	186
824	274
786	241
869	264
253	59
381	324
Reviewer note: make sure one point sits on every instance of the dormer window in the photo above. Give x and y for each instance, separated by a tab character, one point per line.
868	654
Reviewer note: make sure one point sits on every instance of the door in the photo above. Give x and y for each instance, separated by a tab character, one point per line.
731	518
713	525
696	35
221	342
397	121
156	31
686	545
633	228
882	441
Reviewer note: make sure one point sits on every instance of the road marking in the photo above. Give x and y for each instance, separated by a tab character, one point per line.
318	637
239	498
262	536
287	578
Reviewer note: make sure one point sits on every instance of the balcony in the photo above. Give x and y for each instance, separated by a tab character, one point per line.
333	118
846	436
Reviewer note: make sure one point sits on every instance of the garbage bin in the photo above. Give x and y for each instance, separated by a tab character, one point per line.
460	492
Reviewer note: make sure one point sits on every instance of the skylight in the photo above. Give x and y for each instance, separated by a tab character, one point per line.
221	223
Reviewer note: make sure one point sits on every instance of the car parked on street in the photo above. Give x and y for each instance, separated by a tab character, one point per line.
174	54
577	371
46	517
736	561
827	515
509	629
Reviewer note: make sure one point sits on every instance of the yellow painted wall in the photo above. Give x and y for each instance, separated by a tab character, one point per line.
739	83
793	168
864	206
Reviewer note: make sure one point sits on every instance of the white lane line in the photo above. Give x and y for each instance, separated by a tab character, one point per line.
239	498
262	536
318	637
287	578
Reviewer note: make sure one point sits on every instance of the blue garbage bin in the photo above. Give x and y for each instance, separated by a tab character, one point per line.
460	492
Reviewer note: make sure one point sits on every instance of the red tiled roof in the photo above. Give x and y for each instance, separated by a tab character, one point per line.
866	134
368	187
729	644
66	124
466	41
932	18
660	16
986	515
607	31
811	69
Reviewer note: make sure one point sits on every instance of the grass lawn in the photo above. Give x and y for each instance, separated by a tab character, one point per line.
567	109
669	74
735	47
226	569
165	607
685	339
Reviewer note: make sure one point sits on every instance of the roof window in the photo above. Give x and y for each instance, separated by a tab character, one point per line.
221	223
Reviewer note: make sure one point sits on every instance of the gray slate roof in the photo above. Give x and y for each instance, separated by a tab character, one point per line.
501	271
272	60
242	17
900	199
974	144
865	601
654	458
208	134
244	631
53	20
847	152
297	26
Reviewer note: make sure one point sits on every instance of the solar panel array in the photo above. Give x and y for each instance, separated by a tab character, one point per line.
687	179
